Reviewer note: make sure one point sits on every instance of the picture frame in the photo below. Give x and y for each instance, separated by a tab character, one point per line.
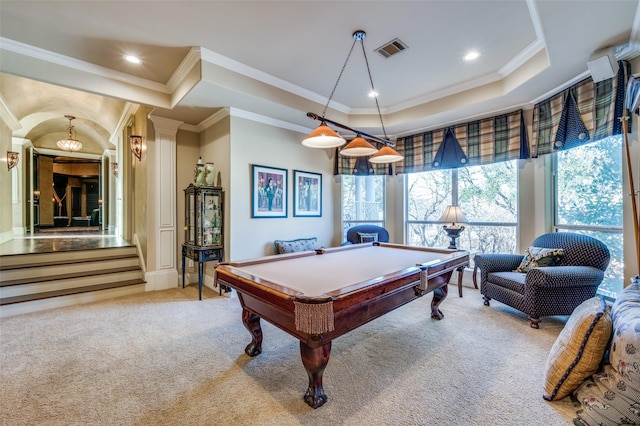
307	194
269	192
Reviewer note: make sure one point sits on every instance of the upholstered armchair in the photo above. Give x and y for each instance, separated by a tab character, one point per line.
365	234
552	285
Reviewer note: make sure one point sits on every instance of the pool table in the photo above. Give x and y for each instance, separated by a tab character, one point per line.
319	295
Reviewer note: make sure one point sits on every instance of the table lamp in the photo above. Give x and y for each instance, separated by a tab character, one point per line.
453	214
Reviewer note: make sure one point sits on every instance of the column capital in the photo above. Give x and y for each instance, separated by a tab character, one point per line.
165	125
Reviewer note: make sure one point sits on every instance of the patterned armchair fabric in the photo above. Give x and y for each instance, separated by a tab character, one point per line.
366	233
549	290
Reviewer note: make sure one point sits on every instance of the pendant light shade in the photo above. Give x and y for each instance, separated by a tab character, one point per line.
323	137
70	143
386	154
358	147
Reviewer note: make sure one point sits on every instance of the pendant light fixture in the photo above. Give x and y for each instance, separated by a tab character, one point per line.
70	143
360	146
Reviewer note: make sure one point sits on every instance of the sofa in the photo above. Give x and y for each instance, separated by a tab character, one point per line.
611	396
596	361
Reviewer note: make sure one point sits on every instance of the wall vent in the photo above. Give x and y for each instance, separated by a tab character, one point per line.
391	48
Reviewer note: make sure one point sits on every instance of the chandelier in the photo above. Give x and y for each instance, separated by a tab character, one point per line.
70	143
325	137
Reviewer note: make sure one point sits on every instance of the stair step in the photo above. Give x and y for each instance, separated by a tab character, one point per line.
26	286
13	261
68	292
74	268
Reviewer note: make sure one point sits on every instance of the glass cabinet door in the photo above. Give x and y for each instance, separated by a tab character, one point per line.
203	216
211	218
190	219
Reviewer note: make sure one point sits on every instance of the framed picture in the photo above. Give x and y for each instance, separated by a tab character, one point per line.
307	194
269	191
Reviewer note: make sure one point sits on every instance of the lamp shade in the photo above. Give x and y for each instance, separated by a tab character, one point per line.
70	143
453	214
323	137
358	147
386	154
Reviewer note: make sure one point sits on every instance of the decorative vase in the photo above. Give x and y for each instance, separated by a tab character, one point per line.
209	174
199	173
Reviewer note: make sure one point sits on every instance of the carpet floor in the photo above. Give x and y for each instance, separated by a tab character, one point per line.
165	358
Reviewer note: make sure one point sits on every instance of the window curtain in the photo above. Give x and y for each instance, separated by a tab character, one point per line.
485	141
358	166
582	113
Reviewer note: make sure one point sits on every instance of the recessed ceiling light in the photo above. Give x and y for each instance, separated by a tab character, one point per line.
471	55
373	94
132	59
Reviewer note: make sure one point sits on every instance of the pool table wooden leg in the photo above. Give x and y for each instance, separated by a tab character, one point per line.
252	323
439	295
315	360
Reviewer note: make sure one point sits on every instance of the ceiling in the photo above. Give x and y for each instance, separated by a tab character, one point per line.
273	61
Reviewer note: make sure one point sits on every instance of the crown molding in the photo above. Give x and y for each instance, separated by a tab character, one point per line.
66	61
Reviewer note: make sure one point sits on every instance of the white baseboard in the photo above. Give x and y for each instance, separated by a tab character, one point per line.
161	280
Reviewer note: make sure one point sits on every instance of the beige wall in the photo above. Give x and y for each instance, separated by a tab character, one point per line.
139	201
45	173
6	220
261	144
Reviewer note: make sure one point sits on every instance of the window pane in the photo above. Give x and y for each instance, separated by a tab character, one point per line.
428	194
488	239
589	198
426	235
589	189
489	193
487	196
362	201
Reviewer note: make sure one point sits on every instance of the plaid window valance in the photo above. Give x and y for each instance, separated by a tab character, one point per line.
485	141
358	166
599	108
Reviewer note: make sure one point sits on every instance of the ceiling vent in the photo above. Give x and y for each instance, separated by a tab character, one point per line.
391	48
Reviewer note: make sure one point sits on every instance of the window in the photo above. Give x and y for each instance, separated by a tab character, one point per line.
487	196
363	200
588	200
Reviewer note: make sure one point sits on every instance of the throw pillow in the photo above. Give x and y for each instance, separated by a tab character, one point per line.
579	349
368	238
292	246
612	395
539	256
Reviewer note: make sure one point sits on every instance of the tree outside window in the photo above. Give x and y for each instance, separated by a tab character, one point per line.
588	200
486	194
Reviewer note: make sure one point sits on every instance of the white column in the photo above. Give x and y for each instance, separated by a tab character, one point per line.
162	271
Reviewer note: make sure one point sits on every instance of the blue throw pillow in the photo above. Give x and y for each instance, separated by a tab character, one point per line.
367	238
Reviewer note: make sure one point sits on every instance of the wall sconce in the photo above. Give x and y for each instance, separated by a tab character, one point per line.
453	214
114	169
135	142
12	159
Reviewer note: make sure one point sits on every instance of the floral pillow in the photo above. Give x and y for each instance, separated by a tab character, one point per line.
612	395
540	256
368	238
293	246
